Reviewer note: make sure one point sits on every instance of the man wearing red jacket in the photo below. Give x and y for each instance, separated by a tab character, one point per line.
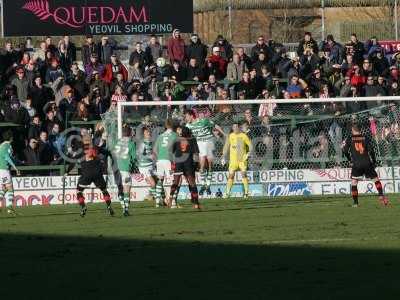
113	68
217	64
176	47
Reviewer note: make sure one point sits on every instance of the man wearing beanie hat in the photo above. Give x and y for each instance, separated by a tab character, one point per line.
196	50
217	65
226	51
176	47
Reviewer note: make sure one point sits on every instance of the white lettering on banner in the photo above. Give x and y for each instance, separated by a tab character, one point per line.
289	189
282	176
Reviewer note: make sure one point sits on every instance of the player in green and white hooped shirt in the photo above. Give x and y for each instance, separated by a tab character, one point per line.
146	161
125	154
6	185
203	130
163	153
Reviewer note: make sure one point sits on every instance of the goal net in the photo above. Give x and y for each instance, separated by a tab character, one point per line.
297	142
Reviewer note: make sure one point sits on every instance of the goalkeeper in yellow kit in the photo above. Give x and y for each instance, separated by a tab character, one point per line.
239	147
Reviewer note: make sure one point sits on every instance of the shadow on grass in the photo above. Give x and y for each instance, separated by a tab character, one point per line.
44	267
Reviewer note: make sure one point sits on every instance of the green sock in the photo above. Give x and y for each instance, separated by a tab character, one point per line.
121	200
9	195
127	200
159	189
153	191
209	178
203	178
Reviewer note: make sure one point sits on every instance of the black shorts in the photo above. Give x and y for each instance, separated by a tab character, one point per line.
187	169
367	171
86	181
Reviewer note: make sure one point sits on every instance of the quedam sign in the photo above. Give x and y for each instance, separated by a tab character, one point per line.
77	17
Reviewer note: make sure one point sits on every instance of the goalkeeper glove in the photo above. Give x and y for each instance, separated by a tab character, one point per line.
223	161
246	156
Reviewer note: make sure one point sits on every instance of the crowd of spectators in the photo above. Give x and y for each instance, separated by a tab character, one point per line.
42	88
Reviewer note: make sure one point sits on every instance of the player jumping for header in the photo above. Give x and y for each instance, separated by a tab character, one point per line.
163	153
6	185
360	153
185	153
125	155
92	172
146	161
203	130
239	147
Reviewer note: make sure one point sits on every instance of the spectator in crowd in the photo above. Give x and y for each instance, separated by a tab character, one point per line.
194	71
119	81
64	58
82	113
138	56
49	46
244	57
34	128
26	58
306	45
176	47
40	54
68	104
225	48
153	50
216	64
261	47
105	50
77	81
178	71
28	106
113	68
379	62
32	154
356	49
88	49
40	95
119	95
196	50
236	68
21	84
247	86
45	153
94	66
334	51
56	139
54	72
71	48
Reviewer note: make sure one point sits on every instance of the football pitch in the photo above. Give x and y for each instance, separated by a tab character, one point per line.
286	248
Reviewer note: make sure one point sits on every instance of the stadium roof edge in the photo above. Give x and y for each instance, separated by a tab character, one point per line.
211	5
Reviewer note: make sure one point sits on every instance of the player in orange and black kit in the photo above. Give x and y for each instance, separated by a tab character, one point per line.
92	172
359	151
185	153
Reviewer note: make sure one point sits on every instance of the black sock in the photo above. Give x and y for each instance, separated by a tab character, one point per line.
379	187
354	193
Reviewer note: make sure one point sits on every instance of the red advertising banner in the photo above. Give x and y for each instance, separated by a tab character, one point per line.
390	46
77	17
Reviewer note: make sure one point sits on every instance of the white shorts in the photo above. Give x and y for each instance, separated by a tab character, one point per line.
206	149
164	168
126	178
147	172
5	177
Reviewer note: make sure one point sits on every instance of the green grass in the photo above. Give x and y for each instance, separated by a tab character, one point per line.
295	248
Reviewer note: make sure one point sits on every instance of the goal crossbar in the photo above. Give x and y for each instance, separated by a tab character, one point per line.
120	105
